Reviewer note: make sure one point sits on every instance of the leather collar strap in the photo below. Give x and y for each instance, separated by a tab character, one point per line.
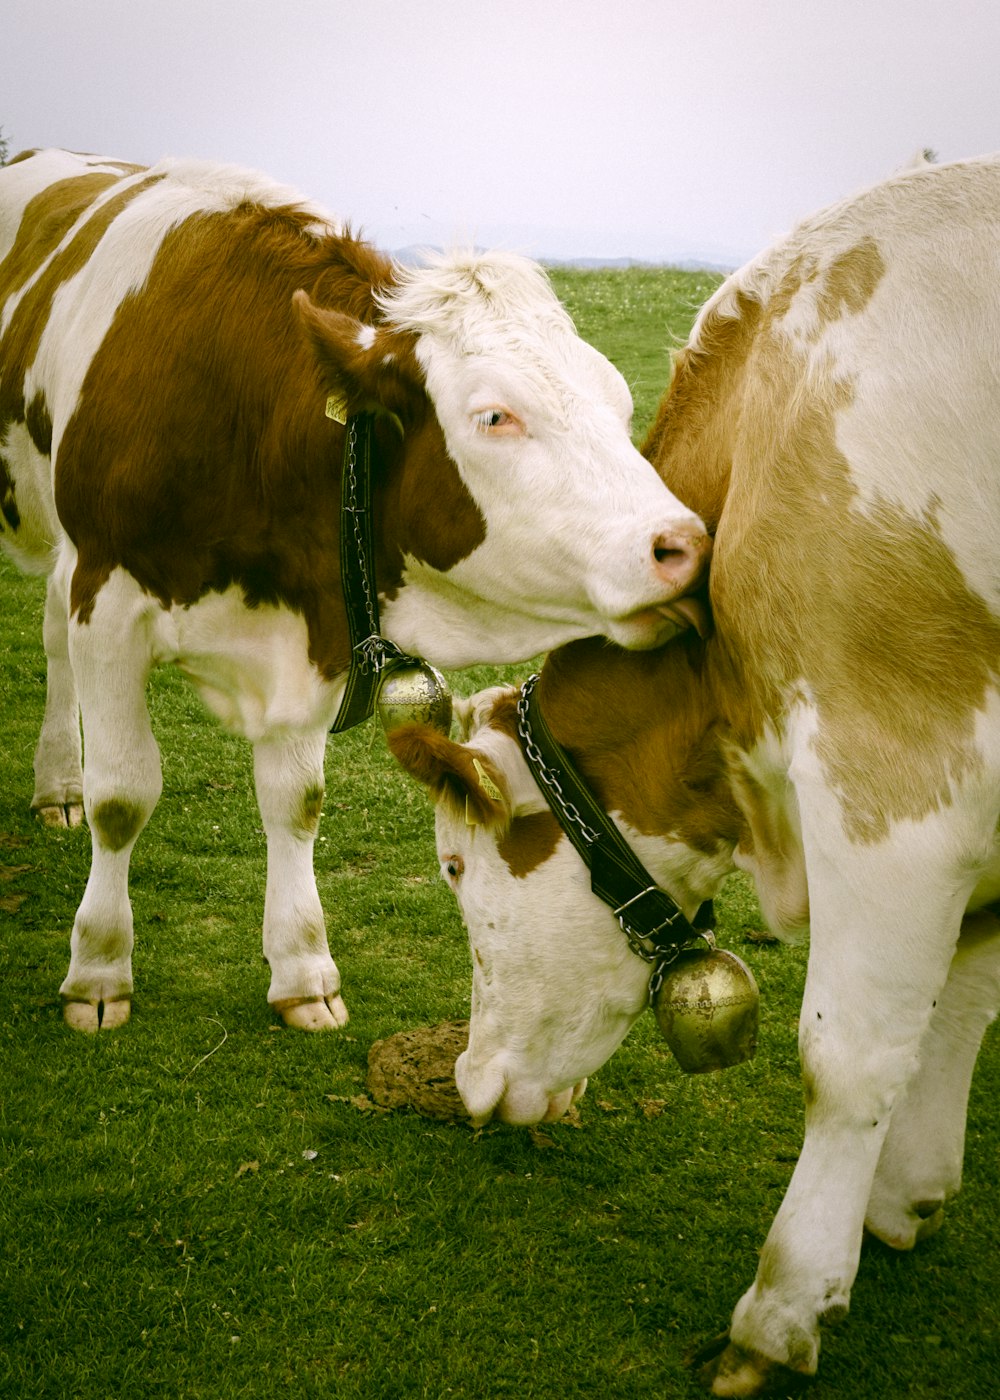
652	922
371	653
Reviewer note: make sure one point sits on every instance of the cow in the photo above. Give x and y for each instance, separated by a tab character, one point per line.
172	339
835	420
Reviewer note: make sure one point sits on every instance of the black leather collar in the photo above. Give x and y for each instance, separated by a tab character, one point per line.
371	653
651	920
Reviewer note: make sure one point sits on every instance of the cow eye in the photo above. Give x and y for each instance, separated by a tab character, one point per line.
453	867
496	421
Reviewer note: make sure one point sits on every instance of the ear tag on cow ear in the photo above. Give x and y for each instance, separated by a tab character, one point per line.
707	1008
486	782
336	408
470	817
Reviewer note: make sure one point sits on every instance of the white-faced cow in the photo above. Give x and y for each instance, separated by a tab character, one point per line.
835	418
169	340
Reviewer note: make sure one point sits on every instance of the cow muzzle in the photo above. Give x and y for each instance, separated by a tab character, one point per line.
489	1093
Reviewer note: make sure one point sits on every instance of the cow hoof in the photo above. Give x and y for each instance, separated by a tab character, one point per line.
729	1370
58	816
314	1014
906	1230
93	1016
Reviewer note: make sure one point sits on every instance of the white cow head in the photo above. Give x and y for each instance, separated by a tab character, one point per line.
556	987
559	527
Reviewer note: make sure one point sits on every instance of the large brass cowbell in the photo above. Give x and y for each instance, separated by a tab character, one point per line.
414	694
707	1008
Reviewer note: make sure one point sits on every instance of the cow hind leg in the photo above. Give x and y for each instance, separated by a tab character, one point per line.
884	927
305	983
58	797
111	660
920	1167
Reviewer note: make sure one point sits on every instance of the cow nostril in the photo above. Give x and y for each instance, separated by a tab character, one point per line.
681	556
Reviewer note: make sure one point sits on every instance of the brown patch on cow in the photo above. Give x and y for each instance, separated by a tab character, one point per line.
39	424
690	441
116	822
640	728
799	588
528	842
311	808
47	219
8	499
850	281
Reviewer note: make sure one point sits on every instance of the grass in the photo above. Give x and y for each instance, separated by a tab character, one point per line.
199	1205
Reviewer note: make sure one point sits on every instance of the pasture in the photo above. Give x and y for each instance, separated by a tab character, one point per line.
204	1204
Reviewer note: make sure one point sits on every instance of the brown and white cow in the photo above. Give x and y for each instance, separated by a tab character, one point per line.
835	419
169	338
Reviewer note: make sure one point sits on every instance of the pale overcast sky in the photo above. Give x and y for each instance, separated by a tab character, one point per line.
656	129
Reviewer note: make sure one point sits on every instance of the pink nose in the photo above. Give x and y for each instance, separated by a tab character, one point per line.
680	556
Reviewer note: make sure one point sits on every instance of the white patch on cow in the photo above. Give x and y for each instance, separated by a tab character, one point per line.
250	666
365	337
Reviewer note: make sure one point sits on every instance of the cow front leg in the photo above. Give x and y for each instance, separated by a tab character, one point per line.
305	983
111	656
58	797
882	938
920	1168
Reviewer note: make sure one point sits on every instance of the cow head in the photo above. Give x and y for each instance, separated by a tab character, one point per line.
556	987
523	515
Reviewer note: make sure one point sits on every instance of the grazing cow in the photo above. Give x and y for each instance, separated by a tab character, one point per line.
171	340
835	418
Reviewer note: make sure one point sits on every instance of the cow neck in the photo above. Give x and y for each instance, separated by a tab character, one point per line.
651	920
371	653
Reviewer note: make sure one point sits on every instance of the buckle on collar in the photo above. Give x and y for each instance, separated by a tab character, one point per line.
644	943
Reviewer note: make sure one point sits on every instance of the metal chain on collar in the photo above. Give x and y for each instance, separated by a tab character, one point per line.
374	651
542	770
368	651
653	923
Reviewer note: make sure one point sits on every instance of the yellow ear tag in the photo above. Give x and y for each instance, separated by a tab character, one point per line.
470	820
336	408
486	782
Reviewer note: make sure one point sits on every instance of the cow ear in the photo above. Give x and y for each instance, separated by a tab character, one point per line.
368	367
461	776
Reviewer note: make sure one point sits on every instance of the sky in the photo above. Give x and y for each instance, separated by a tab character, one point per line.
660	130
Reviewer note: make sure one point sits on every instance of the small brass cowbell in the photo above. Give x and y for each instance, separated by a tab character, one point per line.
414	694
707	1008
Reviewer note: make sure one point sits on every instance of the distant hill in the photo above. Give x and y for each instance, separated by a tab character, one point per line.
413	254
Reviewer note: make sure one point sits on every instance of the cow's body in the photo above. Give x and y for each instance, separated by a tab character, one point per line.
836	419
169	338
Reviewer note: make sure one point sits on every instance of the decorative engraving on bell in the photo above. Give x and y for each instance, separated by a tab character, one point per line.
414	694
707	1008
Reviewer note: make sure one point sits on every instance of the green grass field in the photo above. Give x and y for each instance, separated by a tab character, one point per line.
201	1205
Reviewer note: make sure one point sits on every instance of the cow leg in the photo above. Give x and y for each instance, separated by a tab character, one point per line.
58	799
305	983
112	658
921	1163
882	938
